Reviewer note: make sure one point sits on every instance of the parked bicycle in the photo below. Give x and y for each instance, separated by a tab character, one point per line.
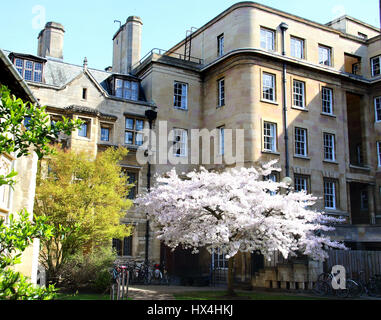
324	286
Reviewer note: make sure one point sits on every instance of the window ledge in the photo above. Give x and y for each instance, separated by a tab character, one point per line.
328	114
299	108
271	152
359	167
336	212
330	161
301	157
270	102
83	138
181	109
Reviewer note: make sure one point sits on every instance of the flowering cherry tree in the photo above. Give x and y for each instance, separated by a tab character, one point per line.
237	210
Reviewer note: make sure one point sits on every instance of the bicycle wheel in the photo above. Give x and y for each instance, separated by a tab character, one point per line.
321	288
372	288
353	288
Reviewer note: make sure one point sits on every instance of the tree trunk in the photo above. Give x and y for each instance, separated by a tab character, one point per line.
231	291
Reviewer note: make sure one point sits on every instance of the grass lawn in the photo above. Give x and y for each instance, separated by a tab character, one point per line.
83	296
220	295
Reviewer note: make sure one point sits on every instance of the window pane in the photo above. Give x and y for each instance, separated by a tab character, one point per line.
135	91
267	39
105	134
329	195
376	66
298	97
327	100
82	132
221	92
130	123
325	56
329	146
180	95
297	48
139	139
300	142
377	107
269	135
139	125
268	87
129	137
301	184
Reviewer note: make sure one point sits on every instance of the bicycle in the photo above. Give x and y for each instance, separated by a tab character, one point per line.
324	287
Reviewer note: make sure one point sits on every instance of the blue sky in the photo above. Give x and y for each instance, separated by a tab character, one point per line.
90	25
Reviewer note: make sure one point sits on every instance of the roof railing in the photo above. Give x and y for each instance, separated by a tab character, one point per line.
167	53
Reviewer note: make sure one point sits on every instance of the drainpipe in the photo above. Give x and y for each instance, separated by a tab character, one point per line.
284	27
151	115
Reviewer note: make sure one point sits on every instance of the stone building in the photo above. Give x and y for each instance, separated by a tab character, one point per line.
305	93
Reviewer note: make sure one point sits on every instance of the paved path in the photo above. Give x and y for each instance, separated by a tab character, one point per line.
156	292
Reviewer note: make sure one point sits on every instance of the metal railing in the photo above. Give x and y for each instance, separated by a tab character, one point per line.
170	54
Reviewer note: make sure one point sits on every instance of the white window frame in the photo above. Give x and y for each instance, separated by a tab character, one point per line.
301	141
221	133
220	45
322	57
221	92
180	95
300	183
377	109
295	49
372	62
298	94
180	144
327	100
268	86
329	146
269	136
35	71
379	153
126	89
330	194
267	39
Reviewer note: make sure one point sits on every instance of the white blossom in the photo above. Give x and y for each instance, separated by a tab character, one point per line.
237	210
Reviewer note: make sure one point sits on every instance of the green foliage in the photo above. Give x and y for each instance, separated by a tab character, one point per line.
14	286
18	140
85	200
14	239
14	137
88	271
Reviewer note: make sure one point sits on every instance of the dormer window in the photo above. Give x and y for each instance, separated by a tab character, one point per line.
127	89
29	70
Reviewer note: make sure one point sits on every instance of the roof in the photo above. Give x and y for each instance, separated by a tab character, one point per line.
12	79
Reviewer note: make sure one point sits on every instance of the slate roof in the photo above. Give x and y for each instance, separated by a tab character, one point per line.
57	74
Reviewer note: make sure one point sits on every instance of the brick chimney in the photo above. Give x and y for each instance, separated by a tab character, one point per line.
127	45
51	40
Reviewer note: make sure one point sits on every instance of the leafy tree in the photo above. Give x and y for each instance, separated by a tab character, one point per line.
14	239
236	210
84	200
20	141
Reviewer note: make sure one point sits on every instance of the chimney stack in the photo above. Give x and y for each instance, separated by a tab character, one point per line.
127	45
51	40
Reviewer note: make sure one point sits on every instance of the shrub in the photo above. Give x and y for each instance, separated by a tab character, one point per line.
88	271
